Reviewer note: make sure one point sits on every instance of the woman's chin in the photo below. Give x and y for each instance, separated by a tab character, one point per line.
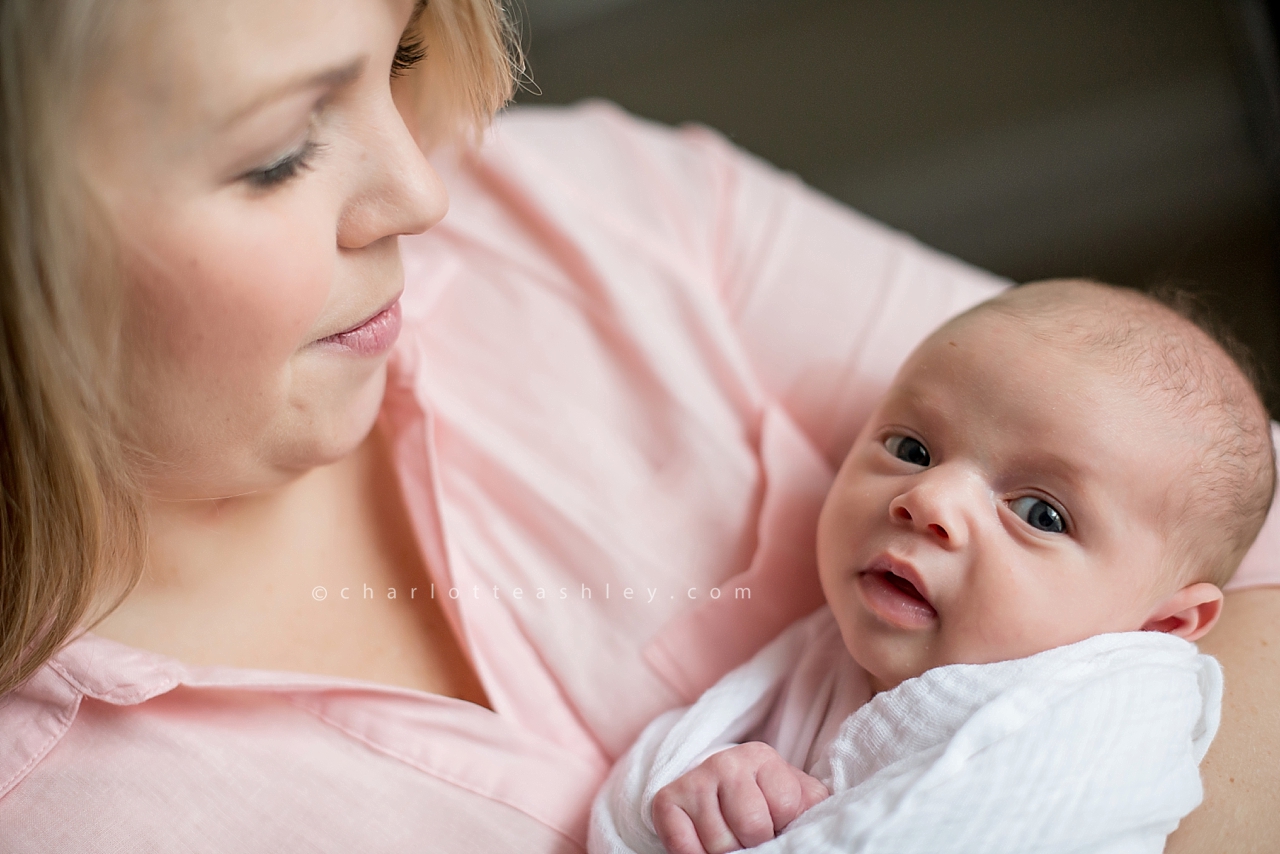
310	432
337	429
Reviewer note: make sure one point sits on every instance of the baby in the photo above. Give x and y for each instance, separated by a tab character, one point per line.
1064	462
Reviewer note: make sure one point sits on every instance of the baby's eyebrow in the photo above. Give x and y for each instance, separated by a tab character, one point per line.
1080	487
1057	463
1075	472
334	77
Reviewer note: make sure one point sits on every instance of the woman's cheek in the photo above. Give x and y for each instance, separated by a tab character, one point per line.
240	291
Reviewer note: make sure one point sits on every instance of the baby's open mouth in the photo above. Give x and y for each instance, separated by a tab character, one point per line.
905	586
891	589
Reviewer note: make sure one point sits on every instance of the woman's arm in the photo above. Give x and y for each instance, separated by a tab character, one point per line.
828	304
1241	772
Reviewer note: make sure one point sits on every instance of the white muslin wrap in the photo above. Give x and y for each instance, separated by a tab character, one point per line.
1092	747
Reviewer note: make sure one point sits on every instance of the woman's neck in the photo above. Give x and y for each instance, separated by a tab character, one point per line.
192	542
237	583
223	562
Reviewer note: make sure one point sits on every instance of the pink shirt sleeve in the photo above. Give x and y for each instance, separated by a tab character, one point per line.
828	303
824	302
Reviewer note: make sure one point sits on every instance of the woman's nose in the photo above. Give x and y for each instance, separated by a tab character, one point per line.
938	504
398	192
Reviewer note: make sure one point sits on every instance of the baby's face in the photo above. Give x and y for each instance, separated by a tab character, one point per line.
1006	497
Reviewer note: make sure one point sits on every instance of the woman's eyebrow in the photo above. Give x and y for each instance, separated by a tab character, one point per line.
329	78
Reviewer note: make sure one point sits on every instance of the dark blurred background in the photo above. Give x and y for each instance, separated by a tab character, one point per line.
1137	142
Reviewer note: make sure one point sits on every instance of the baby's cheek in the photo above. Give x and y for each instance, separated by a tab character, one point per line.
1026	622
833	541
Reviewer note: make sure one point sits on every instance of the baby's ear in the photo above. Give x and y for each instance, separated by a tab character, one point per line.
1189	613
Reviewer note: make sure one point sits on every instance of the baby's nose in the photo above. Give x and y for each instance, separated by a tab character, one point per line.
904	514
938	503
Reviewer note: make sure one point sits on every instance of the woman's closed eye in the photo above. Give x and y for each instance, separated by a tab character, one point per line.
1039	514
908	449
284	168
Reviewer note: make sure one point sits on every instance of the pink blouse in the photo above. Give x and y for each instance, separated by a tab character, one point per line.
631	359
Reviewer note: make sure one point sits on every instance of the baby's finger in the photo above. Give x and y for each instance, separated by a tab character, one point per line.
694	796
675	829
715	834
780	784
812	791
747	811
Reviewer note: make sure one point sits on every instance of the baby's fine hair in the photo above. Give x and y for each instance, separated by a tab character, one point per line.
1176	357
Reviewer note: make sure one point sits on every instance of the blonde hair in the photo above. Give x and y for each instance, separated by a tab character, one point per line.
473	61
71	520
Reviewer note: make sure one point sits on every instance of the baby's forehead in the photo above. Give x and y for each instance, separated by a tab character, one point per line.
1071	314
1124	340
1123	335
1025	398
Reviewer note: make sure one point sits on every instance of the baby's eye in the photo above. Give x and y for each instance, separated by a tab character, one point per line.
908	449
1039	514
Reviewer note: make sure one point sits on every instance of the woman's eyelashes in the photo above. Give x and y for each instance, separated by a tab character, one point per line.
1039	514
288	166
908	449
411	49
409	53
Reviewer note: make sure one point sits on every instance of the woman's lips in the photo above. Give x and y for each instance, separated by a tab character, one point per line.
370	338
893	592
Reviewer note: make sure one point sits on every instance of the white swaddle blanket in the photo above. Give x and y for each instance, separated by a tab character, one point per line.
1093	747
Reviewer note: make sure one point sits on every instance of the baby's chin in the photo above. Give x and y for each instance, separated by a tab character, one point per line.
880	685
887	675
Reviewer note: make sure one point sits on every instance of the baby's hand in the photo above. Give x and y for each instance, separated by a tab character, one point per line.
737	798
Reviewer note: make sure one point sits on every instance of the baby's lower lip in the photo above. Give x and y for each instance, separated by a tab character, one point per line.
892	604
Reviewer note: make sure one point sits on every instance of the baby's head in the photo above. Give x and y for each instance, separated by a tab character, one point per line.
1065	460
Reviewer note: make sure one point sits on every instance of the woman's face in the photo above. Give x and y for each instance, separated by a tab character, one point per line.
258	173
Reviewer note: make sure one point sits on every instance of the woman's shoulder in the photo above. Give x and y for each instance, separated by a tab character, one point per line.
596	140
120	740
669	188
37	715
34	717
